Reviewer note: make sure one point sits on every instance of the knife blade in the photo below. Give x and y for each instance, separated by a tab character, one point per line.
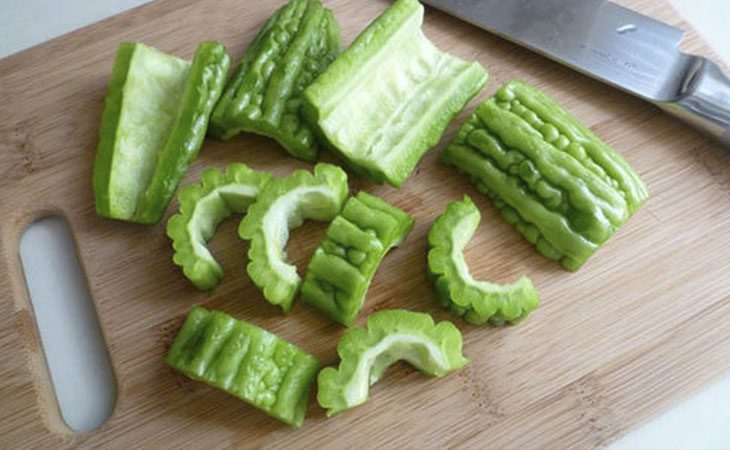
621	47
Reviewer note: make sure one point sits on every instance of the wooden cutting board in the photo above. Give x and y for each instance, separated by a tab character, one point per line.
640	327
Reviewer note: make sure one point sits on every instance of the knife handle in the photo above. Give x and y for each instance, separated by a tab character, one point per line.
703	98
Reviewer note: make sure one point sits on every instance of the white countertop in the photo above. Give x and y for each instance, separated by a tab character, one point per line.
701	422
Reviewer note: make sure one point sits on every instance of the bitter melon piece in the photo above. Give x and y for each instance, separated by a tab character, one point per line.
264	94
392	335
245	361
342	267
389	97
476	301
563	189
202	208
281	206
154	121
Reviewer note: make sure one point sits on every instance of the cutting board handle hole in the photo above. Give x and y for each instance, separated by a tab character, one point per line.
81	373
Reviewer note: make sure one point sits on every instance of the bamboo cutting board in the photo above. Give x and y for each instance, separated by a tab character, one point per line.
640	327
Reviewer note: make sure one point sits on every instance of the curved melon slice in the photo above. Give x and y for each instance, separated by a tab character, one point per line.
282	206
202	208
392	335
476	301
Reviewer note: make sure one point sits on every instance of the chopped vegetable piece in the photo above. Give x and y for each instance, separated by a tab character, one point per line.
389	97
264	94
202	208
563	189
392	335
341	269
281	206
245	361
476	301
154	120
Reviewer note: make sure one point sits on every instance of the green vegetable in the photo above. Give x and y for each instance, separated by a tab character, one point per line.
202	208
392	335
281	206
264	94
245	361
341	269
389	97
563	189
477	301
154	120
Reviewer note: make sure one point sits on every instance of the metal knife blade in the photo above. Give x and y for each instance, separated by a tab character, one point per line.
616	45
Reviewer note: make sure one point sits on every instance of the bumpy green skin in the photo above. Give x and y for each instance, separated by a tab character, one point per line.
476	301
245	361
182	142
563	189
202	208
392	335
357	240
389	97
281	206
264	94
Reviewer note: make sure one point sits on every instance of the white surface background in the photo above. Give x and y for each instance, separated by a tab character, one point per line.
702	422
78	360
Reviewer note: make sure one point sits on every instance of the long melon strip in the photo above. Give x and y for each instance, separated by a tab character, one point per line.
245	361
563	189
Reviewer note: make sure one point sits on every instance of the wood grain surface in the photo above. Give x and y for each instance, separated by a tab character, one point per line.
641	326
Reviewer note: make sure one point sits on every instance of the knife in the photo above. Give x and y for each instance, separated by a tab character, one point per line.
613	44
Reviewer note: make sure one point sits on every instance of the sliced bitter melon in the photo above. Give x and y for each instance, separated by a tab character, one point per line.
154	121
264	94
341	269
476	301
281	206
202	208
389	97
563	189
245	361
392	335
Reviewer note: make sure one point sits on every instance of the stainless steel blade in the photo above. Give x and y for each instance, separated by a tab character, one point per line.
621	47
602	39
